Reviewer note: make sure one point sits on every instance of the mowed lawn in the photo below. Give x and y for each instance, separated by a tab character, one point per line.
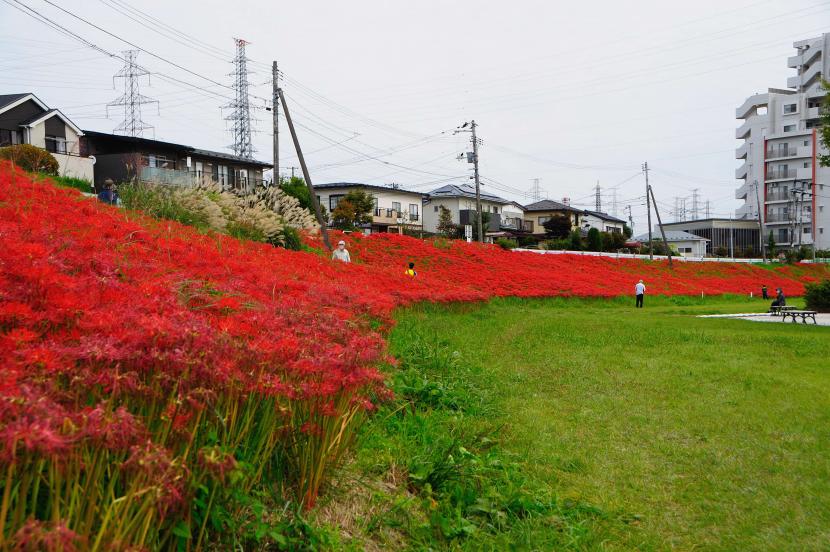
689	433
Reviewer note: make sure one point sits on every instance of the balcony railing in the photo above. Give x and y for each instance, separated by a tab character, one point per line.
778	154
779	196
776	174
777	217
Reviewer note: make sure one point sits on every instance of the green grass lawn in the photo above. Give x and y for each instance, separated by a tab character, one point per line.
631	429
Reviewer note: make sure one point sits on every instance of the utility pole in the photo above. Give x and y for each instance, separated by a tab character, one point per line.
317	212
760	223
463	128
648	208
614	202
660	223
275	76
478	184
630	219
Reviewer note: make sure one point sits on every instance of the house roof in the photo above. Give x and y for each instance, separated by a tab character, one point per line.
230	157
369	186
671	236
8	101
603	216
46	115
465	190
170	145
549	205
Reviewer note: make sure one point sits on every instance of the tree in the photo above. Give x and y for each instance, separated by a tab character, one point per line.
485	222
353	210
557	226
771	245
612	241
575	241
627	231
31	158
296	187
824	127
594	240
445	226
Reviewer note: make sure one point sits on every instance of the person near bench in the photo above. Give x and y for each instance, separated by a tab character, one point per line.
780	300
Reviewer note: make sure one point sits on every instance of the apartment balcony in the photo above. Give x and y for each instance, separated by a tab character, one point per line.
815	91
773	197
742	131
806	78
750	105
804	58
741	171
777	154
798	173
742	151
812	113
743	191
783	218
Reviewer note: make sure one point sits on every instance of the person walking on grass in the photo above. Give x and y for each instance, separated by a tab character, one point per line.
639	291
764	294
341	253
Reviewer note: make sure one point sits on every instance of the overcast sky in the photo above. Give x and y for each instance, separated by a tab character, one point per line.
570	94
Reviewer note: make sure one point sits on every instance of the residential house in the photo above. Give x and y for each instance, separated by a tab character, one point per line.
395	208
538	213
460	200
602	222
25	119
686	244
123	158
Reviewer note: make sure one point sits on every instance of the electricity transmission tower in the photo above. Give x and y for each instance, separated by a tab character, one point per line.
131	99
598	199
240	117
536	191
695	211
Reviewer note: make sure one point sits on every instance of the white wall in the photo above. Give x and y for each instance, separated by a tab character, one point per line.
598	223
385	198
75	166
431	215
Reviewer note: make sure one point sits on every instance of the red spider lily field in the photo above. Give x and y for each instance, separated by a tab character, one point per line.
147	368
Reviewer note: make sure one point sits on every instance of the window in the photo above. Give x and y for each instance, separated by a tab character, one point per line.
334	200
806	142
199	168
222	174
413	211
789	128
55	144
543	220
436	208
10	137
396	206
806	164
821	230
806	230
790	108
494	209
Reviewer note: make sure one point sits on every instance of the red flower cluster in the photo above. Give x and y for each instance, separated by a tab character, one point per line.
126	341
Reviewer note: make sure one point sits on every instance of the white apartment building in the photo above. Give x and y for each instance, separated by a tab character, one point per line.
780	174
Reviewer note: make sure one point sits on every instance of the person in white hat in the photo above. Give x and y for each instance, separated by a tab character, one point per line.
639	291
341	253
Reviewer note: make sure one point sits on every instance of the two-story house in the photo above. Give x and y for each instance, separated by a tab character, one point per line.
124	158
395	208
460	201
538	213
25	119
602	222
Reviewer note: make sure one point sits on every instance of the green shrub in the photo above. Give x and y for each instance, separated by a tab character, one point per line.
507	243
817	296
30	158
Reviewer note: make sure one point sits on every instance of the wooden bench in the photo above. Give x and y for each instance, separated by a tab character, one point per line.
777	311
804	314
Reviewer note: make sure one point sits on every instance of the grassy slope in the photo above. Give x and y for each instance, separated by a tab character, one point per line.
684	432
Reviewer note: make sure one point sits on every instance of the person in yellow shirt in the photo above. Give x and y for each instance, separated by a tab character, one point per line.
411	271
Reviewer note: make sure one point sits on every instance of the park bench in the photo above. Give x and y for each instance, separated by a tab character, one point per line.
778	311
804	314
